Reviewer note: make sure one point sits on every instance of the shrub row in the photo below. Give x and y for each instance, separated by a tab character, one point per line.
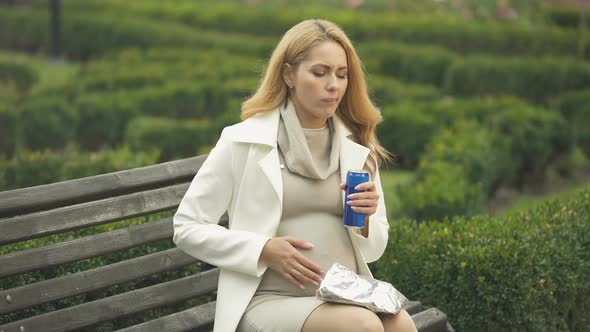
536	135
462	165
32	168
174	139
450	32
21	75
88	35
8	131
530	78
529	271
469	157
535	79
575	107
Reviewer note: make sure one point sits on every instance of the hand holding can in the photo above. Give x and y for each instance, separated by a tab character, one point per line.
353	179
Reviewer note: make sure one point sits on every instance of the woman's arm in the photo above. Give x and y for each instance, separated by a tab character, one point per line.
196	229
372	239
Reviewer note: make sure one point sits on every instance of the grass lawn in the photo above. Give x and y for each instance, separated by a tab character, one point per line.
526	202
390	179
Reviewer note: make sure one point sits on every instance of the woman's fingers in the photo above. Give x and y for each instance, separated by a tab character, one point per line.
292	280
302	277
364	210
364	195
362	202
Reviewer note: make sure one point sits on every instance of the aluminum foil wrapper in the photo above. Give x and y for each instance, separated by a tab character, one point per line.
344	286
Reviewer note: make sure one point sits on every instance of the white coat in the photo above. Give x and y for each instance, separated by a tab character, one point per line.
242	176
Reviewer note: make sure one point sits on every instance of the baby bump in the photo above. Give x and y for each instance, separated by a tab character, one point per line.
331	242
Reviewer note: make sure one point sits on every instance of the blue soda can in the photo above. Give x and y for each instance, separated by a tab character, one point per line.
353	179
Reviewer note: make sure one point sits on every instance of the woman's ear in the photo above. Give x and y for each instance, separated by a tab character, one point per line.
288	75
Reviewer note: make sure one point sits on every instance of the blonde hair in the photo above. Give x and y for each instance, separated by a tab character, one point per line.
356	109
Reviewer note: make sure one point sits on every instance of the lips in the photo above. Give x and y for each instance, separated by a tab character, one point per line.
330	100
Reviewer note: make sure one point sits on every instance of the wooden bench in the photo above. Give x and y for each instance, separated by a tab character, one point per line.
57	287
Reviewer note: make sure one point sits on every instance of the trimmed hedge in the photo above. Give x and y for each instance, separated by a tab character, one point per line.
485	156
8	129
88	35
451	32
387	90
575	107
412	63
406	130
33	168
103	120
22	76
47	122
173	138
439	189
536	135
529	271
533	79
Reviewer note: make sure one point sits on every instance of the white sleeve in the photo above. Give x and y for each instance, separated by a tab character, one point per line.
196	229
373	246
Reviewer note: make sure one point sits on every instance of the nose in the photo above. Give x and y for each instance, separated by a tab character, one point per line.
332	83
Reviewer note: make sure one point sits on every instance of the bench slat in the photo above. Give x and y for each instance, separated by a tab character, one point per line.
430	320
86	247
413	307
90	280
181	321
117	306
90	214
49	196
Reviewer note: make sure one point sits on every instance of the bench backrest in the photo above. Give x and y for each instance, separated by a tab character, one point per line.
60	270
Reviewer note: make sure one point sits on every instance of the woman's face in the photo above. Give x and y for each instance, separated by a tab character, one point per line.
318	83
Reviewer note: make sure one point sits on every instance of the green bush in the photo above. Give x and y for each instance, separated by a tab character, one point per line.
567	17
575	107
87	34
33	168
533	79
485	156
8	129
451	32
21	75
173	138
528	271
439	190
47	122
537	136
387	91
107	161
30	168
103	120
405	131
410	63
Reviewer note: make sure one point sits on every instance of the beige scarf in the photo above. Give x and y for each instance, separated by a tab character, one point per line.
296	152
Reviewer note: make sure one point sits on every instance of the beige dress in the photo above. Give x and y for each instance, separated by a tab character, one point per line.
312	211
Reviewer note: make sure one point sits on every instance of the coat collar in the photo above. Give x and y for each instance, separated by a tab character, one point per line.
263	128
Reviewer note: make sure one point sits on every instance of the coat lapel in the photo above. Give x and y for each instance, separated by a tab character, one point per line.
262	130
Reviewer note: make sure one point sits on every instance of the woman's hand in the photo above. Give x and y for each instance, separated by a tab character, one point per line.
363	202
280	255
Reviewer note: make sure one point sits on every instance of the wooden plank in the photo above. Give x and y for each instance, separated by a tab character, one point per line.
117	306
39	198
104	211
90	280
430	320
413	307
82	248
192	318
